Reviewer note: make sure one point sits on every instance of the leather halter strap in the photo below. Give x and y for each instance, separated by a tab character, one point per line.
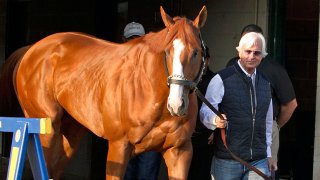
223	137
181	80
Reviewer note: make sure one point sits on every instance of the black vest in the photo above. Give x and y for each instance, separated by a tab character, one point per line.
246	132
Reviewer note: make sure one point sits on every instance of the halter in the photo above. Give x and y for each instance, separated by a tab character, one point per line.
183	80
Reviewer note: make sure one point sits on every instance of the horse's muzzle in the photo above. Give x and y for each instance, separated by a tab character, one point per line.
177	107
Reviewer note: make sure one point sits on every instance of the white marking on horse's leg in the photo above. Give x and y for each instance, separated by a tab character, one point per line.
175	100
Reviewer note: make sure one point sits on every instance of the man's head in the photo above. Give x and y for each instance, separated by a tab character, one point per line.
251	28
251	49
133	30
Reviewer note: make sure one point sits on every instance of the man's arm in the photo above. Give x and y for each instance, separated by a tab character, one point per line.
214	95
286	111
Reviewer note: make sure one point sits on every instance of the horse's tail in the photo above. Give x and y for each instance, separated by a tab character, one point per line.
9	104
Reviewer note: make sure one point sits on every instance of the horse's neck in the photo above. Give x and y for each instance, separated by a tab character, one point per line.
153	63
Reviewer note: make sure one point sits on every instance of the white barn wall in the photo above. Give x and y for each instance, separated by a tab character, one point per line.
224	24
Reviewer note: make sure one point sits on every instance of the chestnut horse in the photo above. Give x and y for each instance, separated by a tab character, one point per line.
117	91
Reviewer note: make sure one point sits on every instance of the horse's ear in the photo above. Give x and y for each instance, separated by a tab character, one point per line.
167	20
200	20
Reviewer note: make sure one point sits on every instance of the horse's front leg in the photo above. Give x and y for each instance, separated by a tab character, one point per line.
178	160
119	153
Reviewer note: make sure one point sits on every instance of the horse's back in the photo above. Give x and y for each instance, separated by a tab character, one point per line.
62	58
68	72
70	50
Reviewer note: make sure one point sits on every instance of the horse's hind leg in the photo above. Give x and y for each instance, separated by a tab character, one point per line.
61	144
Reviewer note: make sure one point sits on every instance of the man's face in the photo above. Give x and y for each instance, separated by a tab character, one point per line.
250	56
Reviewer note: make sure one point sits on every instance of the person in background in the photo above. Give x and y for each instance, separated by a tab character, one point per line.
243	95
283	95
144	166
202	136
133	30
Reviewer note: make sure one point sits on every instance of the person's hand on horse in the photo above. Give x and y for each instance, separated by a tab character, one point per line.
221	123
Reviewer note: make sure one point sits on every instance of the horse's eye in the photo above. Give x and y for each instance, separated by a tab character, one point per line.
195	53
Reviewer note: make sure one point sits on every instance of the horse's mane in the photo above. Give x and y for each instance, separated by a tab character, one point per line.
182	27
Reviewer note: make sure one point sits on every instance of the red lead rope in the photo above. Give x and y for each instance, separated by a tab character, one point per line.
223	137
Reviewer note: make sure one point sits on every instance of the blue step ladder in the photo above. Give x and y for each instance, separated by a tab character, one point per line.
26	139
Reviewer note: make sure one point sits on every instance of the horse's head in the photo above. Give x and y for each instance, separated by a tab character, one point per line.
184	58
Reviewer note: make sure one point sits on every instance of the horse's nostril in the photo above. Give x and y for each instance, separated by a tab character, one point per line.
170	109
182	104
181	108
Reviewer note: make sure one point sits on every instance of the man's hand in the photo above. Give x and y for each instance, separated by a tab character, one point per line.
221	123
272	164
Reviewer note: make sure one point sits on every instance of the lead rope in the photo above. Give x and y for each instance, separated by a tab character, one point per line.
223	137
